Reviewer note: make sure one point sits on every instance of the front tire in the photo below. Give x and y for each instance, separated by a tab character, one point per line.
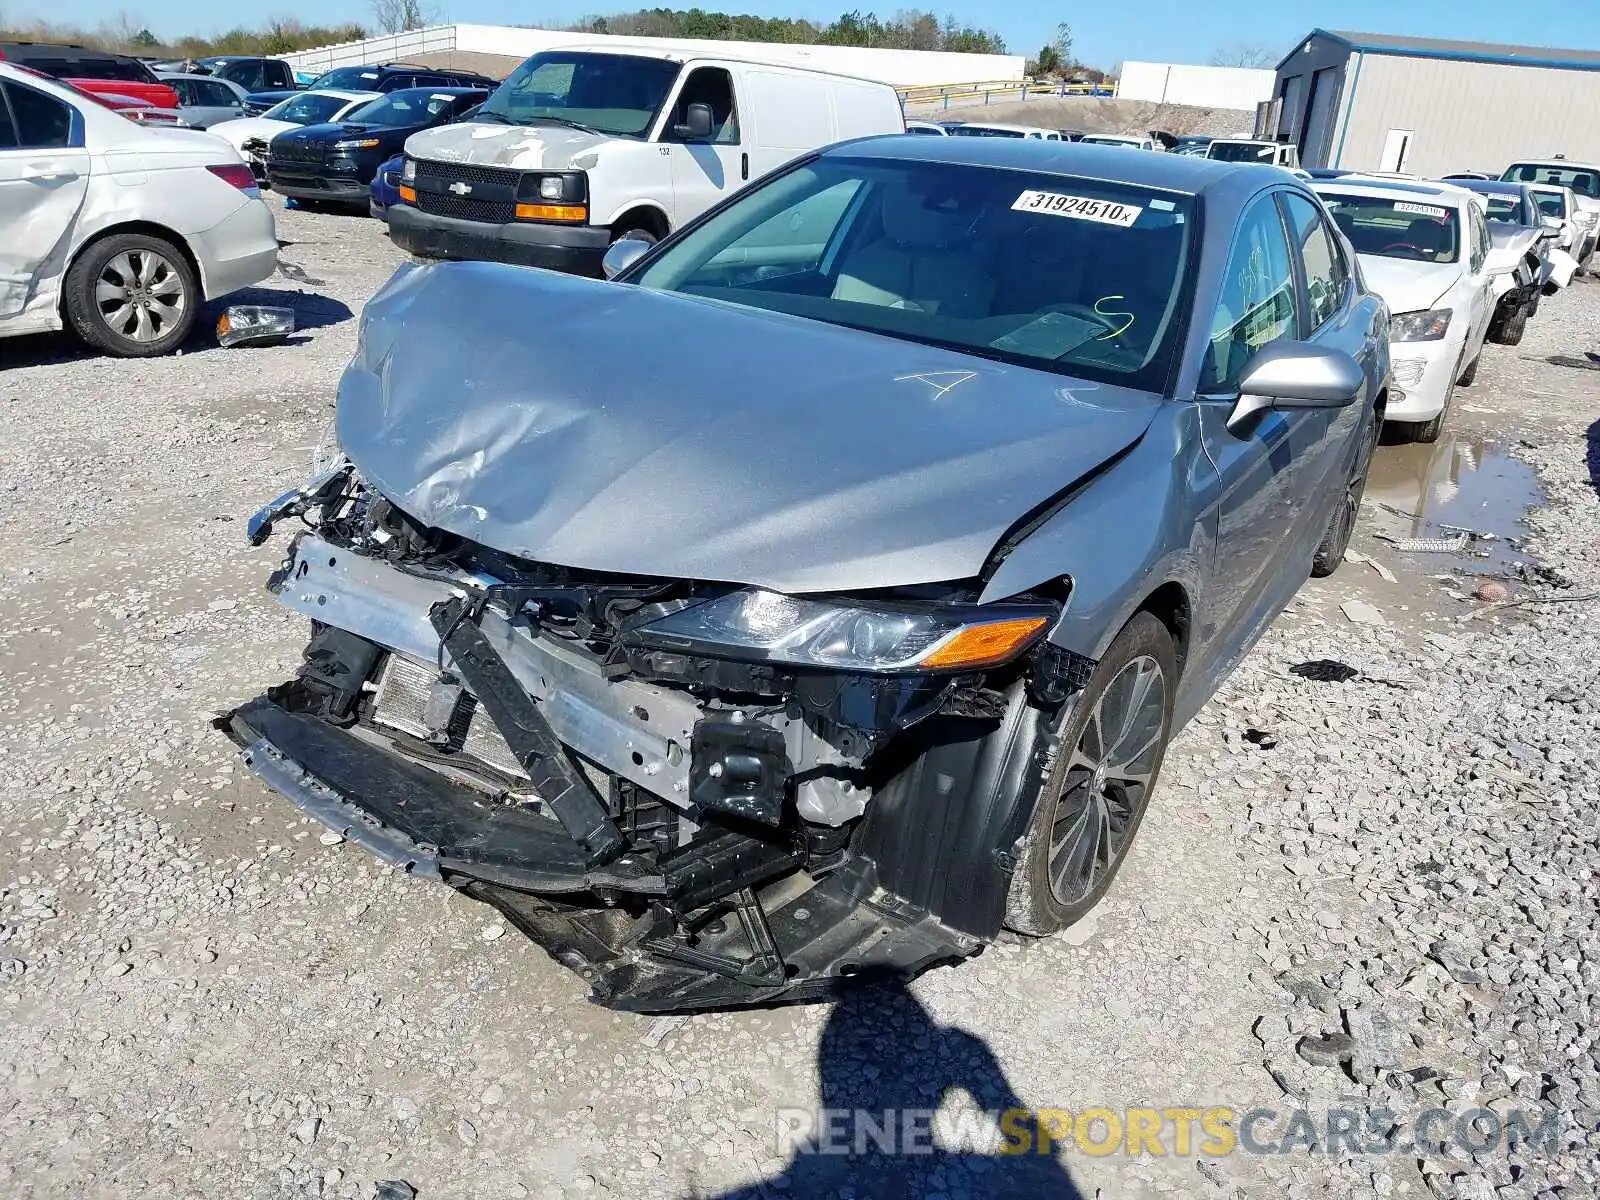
1108	753
1471	373
132	295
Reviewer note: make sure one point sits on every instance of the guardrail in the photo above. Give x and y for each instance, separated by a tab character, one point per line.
1004	92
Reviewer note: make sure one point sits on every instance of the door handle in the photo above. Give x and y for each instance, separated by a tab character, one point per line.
744	166
50	176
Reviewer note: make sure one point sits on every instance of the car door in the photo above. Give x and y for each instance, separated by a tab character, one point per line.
1254	464
1320	439
704	170
44	176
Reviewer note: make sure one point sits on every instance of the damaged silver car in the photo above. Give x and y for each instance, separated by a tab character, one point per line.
819	596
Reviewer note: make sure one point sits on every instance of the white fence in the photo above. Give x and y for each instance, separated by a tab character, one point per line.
902	68
1204	87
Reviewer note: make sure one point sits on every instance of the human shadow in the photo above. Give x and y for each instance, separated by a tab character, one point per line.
1591	456
886	1068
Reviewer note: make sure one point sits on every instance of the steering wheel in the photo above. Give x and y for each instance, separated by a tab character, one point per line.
1393	246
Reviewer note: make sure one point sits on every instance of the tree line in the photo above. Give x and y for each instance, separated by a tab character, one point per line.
908	29
280	35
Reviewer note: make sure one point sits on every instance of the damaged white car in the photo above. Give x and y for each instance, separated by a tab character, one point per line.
819	597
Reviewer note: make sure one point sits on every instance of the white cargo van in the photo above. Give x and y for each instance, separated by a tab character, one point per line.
578	148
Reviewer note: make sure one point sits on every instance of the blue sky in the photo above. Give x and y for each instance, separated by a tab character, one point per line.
1105	34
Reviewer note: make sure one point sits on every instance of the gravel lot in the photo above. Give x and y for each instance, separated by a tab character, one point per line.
1379	892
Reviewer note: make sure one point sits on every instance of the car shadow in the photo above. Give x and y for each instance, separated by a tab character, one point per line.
311	311
886	1066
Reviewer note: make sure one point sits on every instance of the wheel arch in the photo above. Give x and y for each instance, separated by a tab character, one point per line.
646	216
150	229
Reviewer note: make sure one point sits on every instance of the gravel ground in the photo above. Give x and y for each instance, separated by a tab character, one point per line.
1374	893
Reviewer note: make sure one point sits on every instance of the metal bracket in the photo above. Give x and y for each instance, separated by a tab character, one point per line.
559	784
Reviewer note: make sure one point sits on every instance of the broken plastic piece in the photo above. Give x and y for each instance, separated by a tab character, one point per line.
1453	545
254	325
394	1189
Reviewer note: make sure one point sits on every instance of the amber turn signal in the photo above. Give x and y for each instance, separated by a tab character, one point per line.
408	195
552	212
985	645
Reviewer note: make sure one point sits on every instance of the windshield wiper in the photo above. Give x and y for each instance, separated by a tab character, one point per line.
570	124
488	115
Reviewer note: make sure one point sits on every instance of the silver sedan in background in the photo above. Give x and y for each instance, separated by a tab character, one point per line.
819	596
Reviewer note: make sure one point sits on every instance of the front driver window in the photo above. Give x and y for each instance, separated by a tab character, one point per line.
1257	302
713	87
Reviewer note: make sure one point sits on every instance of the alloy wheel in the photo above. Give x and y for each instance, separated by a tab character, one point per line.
1107	779
140	295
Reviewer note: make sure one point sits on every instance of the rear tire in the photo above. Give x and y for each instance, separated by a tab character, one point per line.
1108	750
132	295
1343	523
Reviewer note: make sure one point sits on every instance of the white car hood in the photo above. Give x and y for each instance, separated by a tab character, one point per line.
236	133
1408	286
523	147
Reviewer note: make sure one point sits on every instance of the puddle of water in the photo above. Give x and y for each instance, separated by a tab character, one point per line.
1455	484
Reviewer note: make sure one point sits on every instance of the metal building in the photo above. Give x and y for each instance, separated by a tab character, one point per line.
1379	103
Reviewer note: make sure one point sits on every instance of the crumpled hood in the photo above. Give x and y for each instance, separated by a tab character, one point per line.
605	427
521	147
1407	285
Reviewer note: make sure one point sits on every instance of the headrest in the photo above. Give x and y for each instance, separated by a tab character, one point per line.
908	221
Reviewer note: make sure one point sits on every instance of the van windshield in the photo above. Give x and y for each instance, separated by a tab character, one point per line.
1583	180
1242	151
617	94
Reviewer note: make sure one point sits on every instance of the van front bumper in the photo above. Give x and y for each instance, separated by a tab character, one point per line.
575	249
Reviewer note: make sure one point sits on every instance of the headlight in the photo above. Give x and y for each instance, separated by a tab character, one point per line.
765	626
550	187
409	171
1419	326
357	144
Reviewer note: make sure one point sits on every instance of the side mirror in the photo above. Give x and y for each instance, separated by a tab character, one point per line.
1291	375
696	125
1549	233
622	254
1551	223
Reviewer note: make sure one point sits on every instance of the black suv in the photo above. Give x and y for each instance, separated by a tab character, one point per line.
252	73
385	77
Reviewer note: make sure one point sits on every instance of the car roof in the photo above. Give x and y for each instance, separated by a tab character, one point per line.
1559	163
1006	125
191	75
1493	187
336	93
1163	172
443	89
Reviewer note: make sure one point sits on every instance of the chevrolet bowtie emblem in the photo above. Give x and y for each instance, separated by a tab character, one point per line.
461	189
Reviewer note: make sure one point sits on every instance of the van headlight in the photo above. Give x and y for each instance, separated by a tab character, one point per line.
757	625
408	173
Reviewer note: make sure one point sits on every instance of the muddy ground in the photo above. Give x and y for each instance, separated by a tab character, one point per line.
202	998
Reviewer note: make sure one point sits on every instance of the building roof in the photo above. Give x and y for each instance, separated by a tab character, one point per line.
1484	52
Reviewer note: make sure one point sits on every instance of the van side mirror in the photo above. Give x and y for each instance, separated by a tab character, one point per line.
621	255
696	125
1289	375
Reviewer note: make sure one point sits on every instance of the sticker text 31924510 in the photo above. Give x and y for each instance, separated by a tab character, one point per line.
1082	208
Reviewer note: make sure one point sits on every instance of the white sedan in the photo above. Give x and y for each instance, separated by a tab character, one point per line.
117	230
1425	248
303	108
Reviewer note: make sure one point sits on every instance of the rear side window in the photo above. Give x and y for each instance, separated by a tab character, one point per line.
42	122
216	95
8	132
1324	264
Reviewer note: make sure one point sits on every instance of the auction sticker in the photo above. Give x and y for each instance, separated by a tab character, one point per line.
1082	208
1421	210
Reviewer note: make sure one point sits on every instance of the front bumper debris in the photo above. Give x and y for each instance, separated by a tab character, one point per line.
714	924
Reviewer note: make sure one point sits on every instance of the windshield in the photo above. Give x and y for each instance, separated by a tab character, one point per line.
409	106
617	94
356	79
1109	141
1583	180
306	109
1551	204
1241	151
985	131
1070	275
1395	228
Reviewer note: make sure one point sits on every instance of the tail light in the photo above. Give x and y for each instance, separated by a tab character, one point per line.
237	174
